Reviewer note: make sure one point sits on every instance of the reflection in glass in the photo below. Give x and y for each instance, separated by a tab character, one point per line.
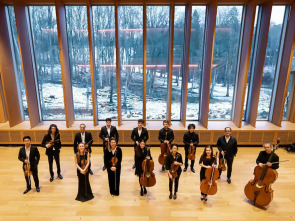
77	29
18	63
195	61
270	62
226	47
45	40
105	61
288	96
131	60
157	61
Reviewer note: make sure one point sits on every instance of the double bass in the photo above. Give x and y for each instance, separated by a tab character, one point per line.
209	185
165	150
148	178
259	189
191	152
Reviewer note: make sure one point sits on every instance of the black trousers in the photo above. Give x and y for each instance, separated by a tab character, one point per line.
176	180
55	155
36	179
186	160
229	162
104	156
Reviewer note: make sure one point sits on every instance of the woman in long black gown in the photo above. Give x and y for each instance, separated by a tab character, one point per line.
114	171
141	153
84	188
206	161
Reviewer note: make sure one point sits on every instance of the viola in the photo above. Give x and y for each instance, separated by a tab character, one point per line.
174	168
148	178
165	150
27	169
259	189
191	152
222	163
209	185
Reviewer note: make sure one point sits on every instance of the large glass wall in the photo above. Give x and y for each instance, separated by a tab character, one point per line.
17	59
288	96
77	29
45	40
157	61
131	61
195	62
270	62
105	61
225	57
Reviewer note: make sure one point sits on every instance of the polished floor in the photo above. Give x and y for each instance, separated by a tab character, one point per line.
56	201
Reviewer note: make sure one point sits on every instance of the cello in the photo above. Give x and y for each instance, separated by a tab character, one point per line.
259	189
209	186
148	178
165	150
191	152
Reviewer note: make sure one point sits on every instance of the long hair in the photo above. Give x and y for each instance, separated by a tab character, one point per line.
205	154
53	125
78	153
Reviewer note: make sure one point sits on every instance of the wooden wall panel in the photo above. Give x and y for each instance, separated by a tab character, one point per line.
291	138
244	137
205	137
66	136
256	137
269	136
15	137
39	136
4	137
283	136
29	133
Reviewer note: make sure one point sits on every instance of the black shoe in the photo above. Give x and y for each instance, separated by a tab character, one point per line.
175	196
38	189
27	190
228	180
133	167
90	171
60	176
170	196
141	192
193	170
163	168
185	169
104	168
51	179
144	190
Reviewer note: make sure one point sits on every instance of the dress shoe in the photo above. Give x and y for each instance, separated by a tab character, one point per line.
133	167
193	170
144	190
141	192
104	168
170	196
90	171
27	190
38	189
51	179
60	176
174	196
228	180
184	170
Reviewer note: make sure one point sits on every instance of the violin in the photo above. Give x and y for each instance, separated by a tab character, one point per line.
259	189
222	163
52	142
174	168
209	185
114	162
84	164
148	178
165	150
107	143
27	169
191	152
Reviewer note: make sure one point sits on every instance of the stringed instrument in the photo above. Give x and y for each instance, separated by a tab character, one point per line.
114	162
165	150
222	162
209	186
259	189
84	164
148	178
27	169
107	144
174	168
191	152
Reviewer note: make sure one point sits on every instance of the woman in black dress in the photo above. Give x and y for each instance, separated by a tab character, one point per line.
114	171
206	161
173	158
141	153
84	188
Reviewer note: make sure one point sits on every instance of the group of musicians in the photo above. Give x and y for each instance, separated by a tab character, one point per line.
226	144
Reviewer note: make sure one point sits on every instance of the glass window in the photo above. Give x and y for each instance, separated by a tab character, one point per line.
17	59
178	44
77	29
251	63
288	96
105	61
157	61
195	62
226	48
270	62
131	60
45	41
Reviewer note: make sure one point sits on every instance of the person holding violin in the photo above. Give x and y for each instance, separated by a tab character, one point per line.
141	153
228	148
113	161
82	162
166	135
205	162
173	165
30	157
138	134
191	141
86	138
263	157
51	142
105	133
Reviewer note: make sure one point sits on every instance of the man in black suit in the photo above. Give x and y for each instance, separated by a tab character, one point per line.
86	138
139	134
228	147
105	134
190	139
30	155
166	135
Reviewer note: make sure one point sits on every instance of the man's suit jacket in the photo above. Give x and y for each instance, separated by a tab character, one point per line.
33	158
113	133
57	144
144	136
78	139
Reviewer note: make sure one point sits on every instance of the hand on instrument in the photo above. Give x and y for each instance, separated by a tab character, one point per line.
82	171
148	158
26	161
260	164
222	152
113	168
166	141
137	143
268	164
176	163
169	175
215	166
191	144
106	139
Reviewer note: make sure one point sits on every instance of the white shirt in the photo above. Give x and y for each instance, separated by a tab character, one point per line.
139	132
227	139
109	130
83	137
28	150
